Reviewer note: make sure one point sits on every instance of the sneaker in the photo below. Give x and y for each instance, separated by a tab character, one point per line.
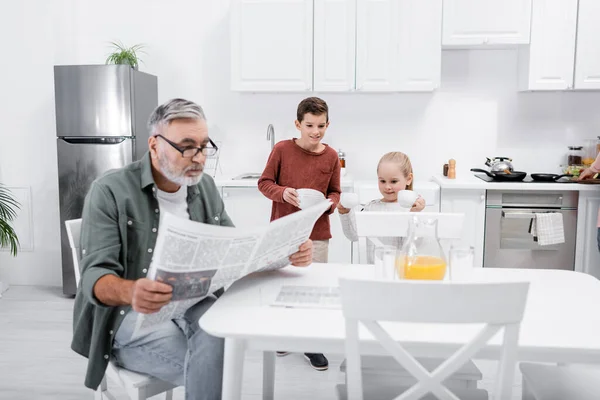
317	361
282	353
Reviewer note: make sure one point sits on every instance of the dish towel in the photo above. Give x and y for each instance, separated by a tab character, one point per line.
548	228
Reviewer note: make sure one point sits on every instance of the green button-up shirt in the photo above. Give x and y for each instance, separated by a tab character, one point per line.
118	234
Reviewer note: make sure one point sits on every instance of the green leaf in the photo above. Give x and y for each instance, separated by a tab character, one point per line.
8	212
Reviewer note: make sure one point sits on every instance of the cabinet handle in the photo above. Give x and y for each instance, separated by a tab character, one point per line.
482	197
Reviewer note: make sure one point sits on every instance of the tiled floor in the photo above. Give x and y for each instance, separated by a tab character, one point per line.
36	361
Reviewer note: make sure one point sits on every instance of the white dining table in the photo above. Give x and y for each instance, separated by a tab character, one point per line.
561	323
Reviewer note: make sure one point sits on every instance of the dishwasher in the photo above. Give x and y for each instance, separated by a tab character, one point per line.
508	217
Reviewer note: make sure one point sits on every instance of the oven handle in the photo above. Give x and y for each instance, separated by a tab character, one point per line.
517	215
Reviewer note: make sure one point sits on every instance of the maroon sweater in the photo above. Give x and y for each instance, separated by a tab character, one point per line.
289	165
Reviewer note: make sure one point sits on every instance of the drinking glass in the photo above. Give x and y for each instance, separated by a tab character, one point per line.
462	258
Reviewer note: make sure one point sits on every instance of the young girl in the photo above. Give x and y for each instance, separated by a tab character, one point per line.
394	173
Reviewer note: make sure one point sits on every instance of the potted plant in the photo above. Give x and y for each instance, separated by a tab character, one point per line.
125	55
8	236
8	212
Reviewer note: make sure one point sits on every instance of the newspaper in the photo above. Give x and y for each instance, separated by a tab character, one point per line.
197	259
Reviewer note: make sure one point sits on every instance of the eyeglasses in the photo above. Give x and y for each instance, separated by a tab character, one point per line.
191	151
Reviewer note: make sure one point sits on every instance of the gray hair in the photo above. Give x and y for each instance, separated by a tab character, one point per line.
172	110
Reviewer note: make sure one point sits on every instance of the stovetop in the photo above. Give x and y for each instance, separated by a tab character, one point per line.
527	179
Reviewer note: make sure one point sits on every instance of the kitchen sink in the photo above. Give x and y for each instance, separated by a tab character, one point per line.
247	175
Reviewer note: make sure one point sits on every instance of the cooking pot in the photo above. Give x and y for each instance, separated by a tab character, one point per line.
499	164
515	176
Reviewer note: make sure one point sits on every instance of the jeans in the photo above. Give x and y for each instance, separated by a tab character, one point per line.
177	351
320	251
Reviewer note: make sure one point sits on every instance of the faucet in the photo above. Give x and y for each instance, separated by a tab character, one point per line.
271	135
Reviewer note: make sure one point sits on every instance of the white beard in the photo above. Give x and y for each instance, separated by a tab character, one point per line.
175	176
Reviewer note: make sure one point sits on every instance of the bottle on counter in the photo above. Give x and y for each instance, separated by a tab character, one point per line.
452	169
342	157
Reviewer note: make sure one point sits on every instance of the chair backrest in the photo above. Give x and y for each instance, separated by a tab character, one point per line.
73	233
373	224
496	305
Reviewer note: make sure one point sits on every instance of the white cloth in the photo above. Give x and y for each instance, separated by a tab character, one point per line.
549	228
174	203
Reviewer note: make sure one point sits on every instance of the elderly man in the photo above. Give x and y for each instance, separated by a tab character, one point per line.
120	223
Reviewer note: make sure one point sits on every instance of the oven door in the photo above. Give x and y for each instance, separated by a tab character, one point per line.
508	243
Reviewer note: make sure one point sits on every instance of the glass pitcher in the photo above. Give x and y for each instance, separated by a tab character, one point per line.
421	256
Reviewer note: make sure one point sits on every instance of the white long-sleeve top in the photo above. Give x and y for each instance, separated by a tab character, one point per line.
349	225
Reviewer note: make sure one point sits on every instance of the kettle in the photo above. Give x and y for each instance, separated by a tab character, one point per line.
499	164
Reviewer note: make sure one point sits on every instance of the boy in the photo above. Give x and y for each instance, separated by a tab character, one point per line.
305	163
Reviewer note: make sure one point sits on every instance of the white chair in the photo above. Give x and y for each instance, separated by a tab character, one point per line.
371	225
551	382
366	302
138	386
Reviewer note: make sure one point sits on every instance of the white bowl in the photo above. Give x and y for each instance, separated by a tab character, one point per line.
406	198
349	200
309	197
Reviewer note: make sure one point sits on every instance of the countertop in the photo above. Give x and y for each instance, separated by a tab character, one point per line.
224	181
470	181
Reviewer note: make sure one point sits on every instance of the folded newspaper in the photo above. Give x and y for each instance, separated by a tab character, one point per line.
198	259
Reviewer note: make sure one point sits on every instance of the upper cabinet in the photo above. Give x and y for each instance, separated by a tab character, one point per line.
337	45
564	52
334	45
587	66
398	45
272	45
547	64
483	22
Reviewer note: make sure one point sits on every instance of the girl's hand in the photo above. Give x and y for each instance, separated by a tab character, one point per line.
342	209
419	205
291	196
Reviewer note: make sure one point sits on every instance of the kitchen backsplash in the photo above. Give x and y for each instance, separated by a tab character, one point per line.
476	113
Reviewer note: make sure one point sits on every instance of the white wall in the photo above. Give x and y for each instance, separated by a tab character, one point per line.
476	113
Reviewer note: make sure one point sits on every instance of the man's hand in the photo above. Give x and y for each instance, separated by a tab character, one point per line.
586	174
303	256
148	296
291	196
419	205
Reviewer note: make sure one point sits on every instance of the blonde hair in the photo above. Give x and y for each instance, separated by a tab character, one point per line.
403	163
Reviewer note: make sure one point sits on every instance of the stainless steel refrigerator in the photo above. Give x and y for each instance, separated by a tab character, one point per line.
101	117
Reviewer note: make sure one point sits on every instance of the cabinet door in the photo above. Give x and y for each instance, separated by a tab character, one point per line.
419	45
587	67
271	45
471	203
335	45
587	254
474	22
376	49
247	207
548	63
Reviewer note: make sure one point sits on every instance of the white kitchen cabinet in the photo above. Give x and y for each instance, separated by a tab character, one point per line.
587	255
398	45
483	22
548	62
587	67
334	45
247	206
272	45
471	203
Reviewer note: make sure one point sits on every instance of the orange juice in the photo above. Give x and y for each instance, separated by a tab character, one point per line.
421	267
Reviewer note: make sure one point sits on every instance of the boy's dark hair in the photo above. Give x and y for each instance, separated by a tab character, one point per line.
312	105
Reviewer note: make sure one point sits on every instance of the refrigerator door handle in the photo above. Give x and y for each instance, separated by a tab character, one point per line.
94	140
